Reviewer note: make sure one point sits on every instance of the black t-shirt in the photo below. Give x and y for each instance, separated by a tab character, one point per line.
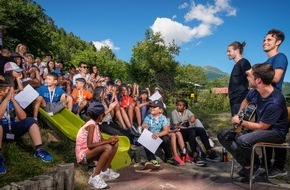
238	85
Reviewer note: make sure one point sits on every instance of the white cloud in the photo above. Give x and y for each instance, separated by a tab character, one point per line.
107	42
207	16
174	17
183	6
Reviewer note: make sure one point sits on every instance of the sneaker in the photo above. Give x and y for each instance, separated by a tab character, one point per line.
109	174
188	158
257	171
242	172
178	159
276	172
2	166
43	155
199	162
172	162
153	164
139	129
213	156
134	133
97	182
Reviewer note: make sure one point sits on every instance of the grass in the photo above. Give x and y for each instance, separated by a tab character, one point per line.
21	164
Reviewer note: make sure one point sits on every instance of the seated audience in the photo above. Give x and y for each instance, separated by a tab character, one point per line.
185	120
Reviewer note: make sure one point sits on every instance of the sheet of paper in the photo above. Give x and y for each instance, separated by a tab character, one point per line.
26	96
155	96
147	141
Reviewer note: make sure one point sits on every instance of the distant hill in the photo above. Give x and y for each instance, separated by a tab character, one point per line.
214	73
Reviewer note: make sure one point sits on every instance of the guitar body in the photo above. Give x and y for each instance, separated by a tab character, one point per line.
246	114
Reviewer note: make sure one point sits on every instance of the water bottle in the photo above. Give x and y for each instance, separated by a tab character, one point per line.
183	155
225	155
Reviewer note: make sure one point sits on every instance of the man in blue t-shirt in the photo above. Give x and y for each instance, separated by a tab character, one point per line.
271	44
271	123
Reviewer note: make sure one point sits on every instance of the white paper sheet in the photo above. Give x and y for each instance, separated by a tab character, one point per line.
26	96
155	96
147	141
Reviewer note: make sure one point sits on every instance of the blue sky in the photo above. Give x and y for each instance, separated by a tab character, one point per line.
203	29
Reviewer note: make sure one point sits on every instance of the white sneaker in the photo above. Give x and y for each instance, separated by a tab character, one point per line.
139	129
97	182
109	174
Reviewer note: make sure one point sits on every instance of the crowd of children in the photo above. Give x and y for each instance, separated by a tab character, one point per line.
107	106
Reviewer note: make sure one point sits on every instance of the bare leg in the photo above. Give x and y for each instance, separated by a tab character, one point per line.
172	137
34	134
138	115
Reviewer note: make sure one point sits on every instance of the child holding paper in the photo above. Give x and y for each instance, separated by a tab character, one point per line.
157	123
14	124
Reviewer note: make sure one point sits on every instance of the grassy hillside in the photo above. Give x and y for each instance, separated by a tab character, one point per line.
214	73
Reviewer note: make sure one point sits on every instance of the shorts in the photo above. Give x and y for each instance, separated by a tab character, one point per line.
84	161
18	128
75	108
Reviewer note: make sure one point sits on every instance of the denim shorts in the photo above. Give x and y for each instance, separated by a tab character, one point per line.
84	161
18	128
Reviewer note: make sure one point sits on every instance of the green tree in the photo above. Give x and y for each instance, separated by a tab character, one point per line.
187	76
25	22
152	62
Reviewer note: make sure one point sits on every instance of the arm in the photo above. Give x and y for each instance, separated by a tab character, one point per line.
20	113
251	125
278	75
164	132
112	140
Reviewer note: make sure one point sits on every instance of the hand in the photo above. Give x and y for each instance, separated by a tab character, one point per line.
155	135
113	104
113	139
235	119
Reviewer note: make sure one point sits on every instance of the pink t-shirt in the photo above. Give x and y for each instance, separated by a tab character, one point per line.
82	139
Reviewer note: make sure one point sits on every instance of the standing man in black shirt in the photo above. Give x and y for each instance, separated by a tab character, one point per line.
238	86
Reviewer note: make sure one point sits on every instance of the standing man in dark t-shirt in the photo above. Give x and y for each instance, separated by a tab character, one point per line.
238	86
271	44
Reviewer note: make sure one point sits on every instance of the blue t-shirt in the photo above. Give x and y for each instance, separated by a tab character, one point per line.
46	94
155	125
279	61
271	110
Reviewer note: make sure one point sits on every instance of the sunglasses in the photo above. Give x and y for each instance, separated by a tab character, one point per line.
85	67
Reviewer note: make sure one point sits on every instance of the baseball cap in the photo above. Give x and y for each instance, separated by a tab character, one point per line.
15	54
157	103
11	66
95	109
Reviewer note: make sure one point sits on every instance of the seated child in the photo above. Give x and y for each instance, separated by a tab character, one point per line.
175	135
157	123
142	108
80	95
90	146
14	124
51	97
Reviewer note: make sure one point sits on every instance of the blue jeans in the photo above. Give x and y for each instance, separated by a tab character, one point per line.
241	147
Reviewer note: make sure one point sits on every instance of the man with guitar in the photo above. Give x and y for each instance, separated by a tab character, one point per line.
271	123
